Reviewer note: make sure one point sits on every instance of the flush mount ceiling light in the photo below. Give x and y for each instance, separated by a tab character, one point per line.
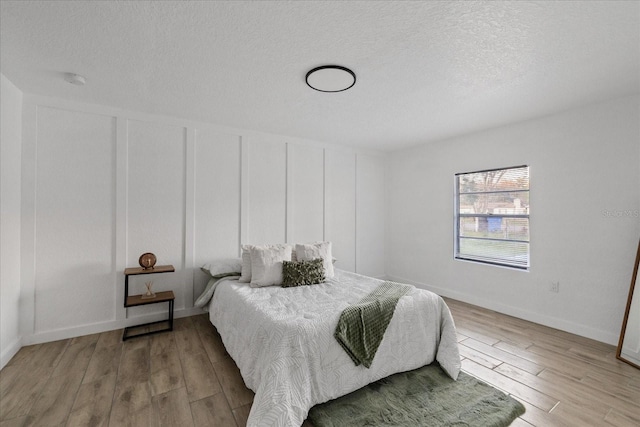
330	78
75	79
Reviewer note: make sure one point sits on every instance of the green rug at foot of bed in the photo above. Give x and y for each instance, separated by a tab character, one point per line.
422	397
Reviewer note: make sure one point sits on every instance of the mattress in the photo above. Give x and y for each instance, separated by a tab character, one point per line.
282	341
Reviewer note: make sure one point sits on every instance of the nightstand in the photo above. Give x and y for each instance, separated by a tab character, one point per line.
136	300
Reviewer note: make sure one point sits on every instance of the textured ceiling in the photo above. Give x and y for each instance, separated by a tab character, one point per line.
425	70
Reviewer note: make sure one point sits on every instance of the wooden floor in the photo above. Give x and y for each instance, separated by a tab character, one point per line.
185	377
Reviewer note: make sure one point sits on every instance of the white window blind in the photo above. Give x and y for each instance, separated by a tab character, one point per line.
492	216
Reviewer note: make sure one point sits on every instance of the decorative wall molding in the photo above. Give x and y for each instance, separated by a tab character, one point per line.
204	192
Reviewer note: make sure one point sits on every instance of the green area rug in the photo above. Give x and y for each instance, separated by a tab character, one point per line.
423	397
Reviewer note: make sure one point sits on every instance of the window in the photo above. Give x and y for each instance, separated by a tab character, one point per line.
492	217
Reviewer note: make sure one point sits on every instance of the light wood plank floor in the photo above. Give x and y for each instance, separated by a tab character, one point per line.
185	377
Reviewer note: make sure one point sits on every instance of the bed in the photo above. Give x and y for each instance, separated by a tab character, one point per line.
282	340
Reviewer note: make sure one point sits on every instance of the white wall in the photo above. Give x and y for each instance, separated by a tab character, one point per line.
101	186
340	206
585	205
370	213
10	154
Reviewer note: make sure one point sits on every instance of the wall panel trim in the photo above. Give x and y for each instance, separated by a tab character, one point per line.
120	248
28	218
288	198
121	163
355	215
324	194
244	192
189	215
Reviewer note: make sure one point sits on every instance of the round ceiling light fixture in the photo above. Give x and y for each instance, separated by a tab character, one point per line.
330	78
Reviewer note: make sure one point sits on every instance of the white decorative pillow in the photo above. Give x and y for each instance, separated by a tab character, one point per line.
311	251
266	264
223	267
245	276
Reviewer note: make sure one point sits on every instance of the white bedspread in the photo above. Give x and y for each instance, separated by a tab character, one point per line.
282	341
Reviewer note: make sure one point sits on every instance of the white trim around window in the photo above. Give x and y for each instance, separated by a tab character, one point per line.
492	217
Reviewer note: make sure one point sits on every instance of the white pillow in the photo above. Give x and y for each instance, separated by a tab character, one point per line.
223	267
310	251
245	276
266	264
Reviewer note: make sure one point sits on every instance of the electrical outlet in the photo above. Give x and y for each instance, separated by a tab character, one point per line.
555	287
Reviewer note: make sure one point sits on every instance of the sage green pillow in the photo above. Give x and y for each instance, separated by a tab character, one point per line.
302	272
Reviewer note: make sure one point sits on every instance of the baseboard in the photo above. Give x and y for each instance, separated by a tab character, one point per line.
10	351
552	322
95	328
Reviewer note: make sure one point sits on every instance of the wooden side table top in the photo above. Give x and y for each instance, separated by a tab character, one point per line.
157	269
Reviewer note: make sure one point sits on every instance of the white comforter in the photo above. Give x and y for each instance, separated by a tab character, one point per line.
282	341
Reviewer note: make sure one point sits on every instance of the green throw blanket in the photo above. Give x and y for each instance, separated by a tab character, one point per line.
362	326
